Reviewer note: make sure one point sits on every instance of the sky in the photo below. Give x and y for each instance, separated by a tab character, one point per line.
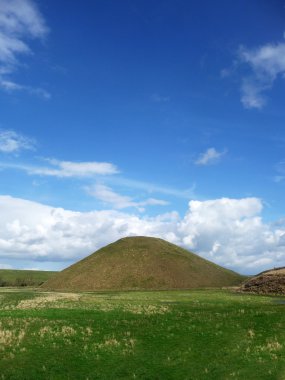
161	118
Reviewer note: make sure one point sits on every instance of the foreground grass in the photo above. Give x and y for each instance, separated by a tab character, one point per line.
141	335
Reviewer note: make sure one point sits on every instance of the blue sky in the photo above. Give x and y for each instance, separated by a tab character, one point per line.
163	118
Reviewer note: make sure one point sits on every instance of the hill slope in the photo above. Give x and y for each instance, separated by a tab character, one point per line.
268	282
142	263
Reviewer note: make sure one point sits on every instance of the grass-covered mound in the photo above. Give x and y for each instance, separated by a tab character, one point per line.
14	277
142	263
268	282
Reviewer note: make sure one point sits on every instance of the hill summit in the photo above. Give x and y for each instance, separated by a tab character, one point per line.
142	263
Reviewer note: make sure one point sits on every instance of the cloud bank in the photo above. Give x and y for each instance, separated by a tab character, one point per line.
230	232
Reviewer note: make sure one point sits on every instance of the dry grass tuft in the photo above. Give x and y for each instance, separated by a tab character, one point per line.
49	299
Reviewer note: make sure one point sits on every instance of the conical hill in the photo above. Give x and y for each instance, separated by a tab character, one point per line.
142	263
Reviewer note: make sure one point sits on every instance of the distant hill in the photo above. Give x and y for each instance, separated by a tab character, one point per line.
271	281
14	277
142	263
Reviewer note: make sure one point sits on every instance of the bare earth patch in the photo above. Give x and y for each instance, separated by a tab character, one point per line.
268	282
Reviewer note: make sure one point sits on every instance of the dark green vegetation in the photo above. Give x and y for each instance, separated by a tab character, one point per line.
142	263
141	335
11	277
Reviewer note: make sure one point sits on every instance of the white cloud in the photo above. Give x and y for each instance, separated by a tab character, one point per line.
69	169
10	86
266	60
20	20
267	63
252	96
9	47
39	232
12	142
154	188
107	195
211	156
21	17
229	232
66	169
154	202
76	169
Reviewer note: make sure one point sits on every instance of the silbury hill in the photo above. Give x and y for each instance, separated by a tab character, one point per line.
142	263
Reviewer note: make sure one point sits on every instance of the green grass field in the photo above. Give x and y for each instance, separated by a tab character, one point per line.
141	335
13	277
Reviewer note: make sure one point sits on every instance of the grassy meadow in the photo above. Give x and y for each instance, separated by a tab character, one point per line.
205	334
